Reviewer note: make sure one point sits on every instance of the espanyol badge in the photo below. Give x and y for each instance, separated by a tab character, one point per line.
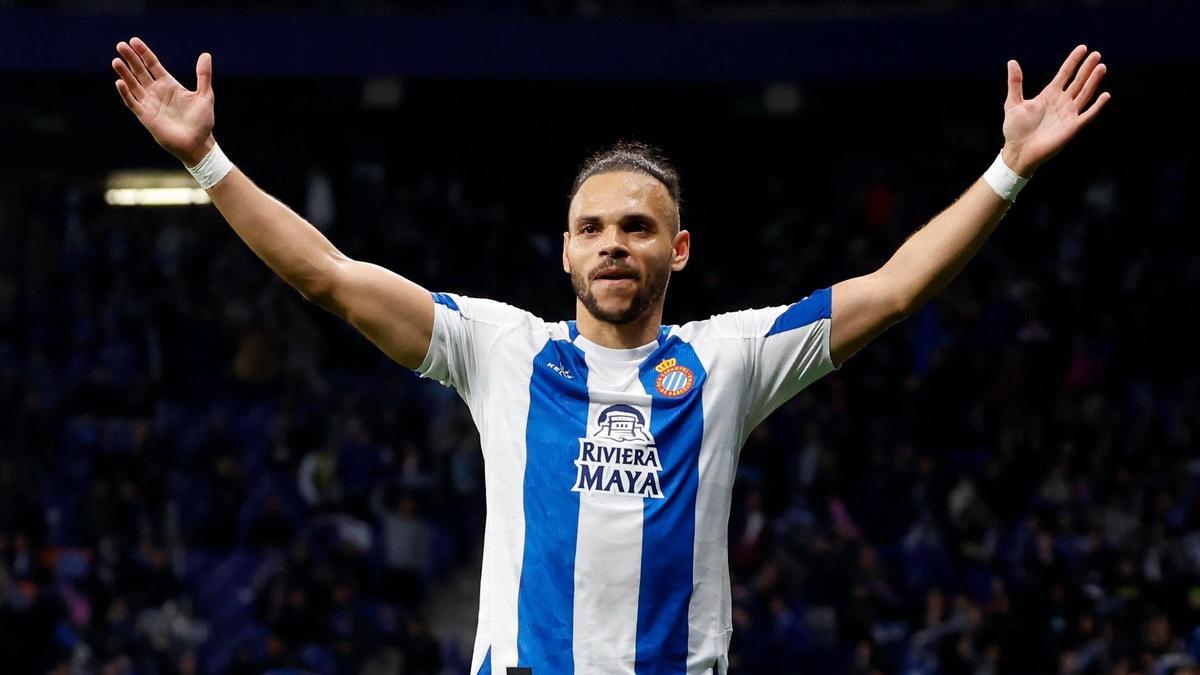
673	379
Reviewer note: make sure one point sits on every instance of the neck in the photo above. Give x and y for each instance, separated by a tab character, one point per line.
636	333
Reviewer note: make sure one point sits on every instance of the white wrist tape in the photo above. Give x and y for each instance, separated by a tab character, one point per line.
212	168
1004	180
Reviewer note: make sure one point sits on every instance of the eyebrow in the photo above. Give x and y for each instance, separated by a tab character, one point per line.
637	215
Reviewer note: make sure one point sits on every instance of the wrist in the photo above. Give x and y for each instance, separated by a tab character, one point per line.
212	168
1012	155
192	157
1003	180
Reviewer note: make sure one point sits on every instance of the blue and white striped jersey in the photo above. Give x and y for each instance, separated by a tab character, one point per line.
609	476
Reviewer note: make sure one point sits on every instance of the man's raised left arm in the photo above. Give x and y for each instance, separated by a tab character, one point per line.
1034	131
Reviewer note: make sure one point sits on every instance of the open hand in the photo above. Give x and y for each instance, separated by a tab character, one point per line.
1037	128
180	120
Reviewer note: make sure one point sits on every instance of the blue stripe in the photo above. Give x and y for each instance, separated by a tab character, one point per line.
662	334
558	409
443	299
572	330
486	667
813	308
669	526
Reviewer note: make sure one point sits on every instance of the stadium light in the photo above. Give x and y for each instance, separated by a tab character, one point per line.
153	188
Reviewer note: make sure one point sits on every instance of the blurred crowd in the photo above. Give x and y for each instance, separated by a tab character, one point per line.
1008	482
201	472
186	484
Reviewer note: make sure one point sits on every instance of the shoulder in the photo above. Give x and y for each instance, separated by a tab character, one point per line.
761	322
483	310
496	315
745	324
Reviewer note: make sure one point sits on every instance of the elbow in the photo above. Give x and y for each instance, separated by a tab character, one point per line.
317	292
894	296
320	288
903	304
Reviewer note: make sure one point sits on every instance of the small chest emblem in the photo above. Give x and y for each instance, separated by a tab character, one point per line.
673	379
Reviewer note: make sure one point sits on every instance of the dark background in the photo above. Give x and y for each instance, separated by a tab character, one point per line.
200	472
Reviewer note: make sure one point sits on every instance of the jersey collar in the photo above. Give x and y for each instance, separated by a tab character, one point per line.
633	354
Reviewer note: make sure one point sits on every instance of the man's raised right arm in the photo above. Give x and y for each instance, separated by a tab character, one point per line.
391	311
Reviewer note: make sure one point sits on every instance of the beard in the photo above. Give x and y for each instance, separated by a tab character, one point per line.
648	292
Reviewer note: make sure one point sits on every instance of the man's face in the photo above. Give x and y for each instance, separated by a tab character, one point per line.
621	245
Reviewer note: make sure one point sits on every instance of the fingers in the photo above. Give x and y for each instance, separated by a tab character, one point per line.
1089	88
153	65
1069	66
1082	75
1015	79
135	64
131	83
1095	109
130	102
204	74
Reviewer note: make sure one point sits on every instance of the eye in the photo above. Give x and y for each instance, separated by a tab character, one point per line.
589	229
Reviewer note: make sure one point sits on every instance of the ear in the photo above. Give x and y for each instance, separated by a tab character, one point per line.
682	247
566	262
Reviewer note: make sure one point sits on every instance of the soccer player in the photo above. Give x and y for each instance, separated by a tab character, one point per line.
611	441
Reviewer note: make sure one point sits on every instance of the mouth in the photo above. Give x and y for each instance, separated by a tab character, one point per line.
615	275
616	283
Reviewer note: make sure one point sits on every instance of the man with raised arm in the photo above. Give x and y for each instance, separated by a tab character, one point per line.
611	441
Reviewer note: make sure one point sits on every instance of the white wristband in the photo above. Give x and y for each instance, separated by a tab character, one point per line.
212	168
1004	180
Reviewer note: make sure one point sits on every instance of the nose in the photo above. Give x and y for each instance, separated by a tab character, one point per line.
613	244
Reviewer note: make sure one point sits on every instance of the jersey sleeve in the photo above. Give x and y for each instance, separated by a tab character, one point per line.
464	330
788	350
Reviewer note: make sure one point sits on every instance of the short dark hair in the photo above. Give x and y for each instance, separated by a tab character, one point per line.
629	155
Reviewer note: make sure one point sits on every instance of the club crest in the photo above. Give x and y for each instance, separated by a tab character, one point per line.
673	379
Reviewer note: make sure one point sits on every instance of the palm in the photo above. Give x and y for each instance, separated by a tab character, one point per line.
1037	128
176	117
180	120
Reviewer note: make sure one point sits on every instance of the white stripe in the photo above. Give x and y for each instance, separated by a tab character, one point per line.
483	631
504	536
608	552
710	614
